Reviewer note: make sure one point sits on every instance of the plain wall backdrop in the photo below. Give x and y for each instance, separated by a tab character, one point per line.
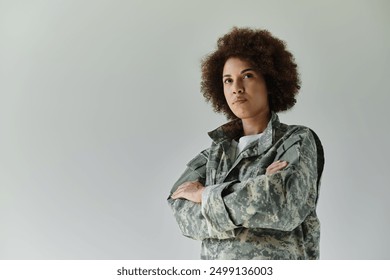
100	110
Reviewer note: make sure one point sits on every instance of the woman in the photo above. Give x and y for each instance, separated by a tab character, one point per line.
253	193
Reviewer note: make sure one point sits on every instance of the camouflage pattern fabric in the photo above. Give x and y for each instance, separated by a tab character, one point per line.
246	214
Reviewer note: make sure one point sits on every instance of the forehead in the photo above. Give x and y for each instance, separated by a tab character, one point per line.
235	64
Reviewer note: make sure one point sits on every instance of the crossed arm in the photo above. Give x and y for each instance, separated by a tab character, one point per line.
280	199
193	190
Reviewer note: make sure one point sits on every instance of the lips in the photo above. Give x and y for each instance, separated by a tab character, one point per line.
239	101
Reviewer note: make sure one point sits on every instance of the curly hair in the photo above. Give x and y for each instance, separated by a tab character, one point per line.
267	54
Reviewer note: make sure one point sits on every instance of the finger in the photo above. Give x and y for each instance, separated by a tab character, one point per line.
184	195
279	162
187	184
279	166
177	193
185	188
182	187
276	166
283	164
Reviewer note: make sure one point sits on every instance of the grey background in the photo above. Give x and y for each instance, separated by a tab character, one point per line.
100	111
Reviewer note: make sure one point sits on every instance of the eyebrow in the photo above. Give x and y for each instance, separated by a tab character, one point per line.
243	71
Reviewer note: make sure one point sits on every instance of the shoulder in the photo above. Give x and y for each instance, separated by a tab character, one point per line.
298	135
295	129
304	132
298	131
303	135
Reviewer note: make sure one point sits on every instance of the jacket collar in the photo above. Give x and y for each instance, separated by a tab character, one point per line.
234	130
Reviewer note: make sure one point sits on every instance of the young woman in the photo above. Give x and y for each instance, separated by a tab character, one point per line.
253	193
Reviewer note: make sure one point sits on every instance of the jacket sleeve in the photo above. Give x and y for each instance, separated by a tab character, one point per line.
280	201
188	214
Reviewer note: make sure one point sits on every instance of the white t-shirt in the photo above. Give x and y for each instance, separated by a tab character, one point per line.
243	142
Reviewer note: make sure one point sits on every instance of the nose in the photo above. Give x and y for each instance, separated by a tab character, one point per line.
238	87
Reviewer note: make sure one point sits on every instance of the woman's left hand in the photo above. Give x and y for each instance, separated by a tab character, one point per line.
276	166
189	190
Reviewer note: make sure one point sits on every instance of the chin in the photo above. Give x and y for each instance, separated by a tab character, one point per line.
243	116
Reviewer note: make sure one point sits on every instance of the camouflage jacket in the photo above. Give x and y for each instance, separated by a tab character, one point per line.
246	214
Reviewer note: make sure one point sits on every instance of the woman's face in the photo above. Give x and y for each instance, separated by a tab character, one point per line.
245	89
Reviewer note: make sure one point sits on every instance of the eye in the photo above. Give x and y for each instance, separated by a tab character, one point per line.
228	81
248	75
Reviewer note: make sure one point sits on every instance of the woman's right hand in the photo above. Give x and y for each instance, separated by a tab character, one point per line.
191	191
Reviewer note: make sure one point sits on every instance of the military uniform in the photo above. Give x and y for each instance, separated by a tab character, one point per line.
246	214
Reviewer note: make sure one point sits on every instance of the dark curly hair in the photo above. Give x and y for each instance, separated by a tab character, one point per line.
266	53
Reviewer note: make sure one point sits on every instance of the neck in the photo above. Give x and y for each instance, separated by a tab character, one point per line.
256	124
